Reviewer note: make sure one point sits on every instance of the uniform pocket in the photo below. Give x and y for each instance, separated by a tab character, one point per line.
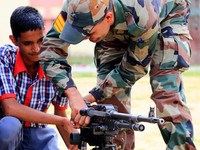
184	53
176	53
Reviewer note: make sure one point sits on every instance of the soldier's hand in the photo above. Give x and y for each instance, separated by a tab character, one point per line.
77	103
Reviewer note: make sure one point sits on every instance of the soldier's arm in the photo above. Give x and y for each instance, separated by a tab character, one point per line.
53	54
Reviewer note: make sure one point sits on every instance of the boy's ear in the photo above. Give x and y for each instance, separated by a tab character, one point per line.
12	38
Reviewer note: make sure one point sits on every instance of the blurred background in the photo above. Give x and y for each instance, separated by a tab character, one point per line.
84	72
50	9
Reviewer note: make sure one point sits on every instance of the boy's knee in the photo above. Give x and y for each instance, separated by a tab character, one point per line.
10	128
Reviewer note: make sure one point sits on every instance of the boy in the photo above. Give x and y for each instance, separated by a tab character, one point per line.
26	93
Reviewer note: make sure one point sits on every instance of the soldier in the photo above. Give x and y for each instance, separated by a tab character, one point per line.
130	36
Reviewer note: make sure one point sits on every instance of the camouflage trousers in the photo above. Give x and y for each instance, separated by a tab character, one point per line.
171	58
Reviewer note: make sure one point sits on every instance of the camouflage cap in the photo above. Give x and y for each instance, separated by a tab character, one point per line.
82	16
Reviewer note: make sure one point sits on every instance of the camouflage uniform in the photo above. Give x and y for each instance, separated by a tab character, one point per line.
145	33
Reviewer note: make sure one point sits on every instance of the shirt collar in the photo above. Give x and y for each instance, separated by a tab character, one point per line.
120	21
20	66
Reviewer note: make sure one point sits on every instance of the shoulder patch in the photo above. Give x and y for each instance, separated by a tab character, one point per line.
59	22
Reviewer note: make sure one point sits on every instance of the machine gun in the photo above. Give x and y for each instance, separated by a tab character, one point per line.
105	124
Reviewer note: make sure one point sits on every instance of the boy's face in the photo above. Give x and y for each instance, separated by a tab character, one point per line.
29	44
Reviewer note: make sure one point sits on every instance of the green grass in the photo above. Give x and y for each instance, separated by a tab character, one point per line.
192	73
80	60
84	75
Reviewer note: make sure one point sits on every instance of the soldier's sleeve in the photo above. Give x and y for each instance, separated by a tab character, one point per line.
136	59
53	54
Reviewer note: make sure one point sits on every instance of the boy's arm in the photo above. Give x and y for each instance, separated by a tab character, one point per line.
65	130
12	108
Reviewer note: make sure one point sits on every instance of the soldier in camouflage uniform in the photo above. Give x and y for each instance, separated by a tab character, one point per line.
131	35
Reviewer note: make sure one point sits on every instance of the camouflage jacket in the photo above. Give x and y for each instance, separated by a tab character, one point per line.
137	25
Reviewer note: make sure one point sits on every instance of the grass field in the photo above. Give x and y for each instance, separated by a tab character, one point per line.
150	138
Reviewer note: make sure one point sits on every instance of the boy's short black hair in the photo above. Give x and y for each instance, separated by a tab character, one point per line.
25	18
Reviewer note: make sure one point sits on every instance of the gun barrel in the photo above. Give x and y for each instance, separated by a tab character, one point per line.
135	118
150	119
123	116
